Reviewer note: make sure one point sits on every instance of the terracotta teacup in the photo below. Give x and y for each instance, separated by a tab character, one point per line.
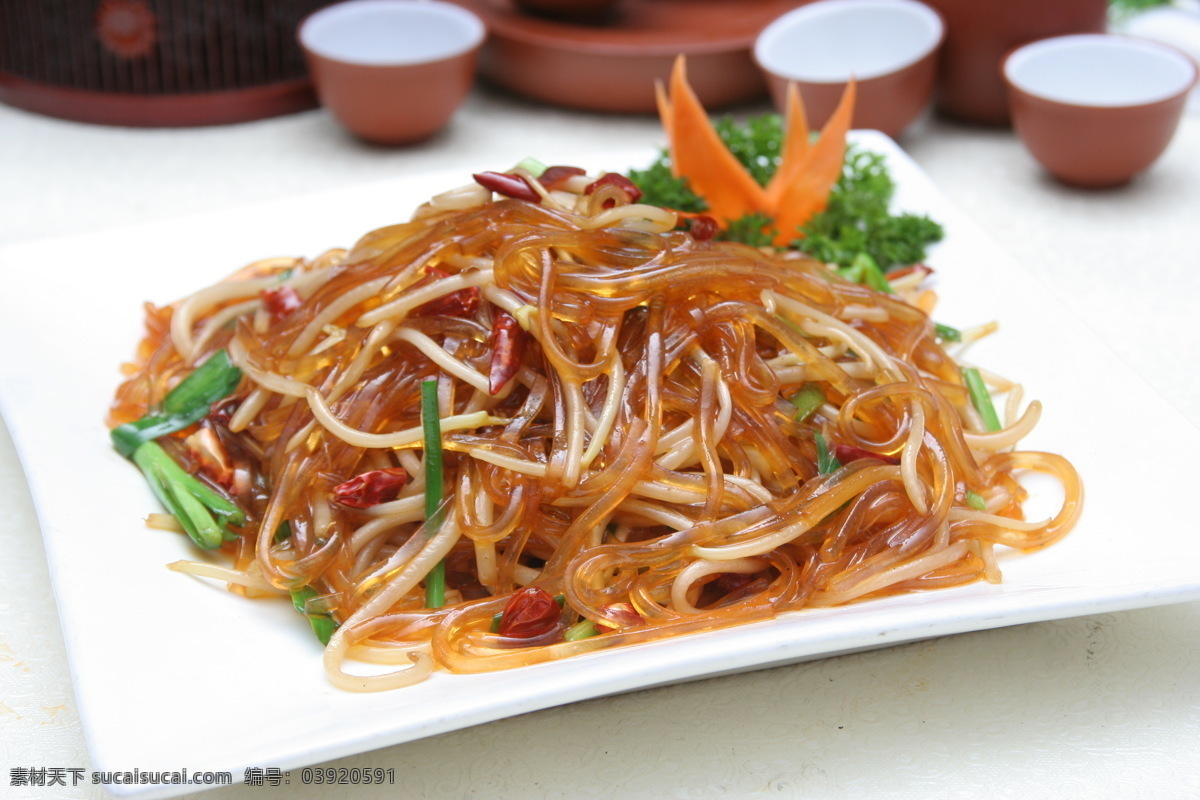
1095	110
392	71
978	35
889	46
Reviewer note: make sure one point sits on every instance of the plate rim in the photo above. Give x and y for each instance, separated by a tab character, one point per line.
1022	612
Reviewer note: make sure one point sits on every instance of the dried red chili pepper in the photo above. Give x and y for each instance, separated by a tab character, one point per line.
508	347
618	181
221	413
730	582
461	303
371	488
529	613
900	272
280	301
702	227
618	616
515	186
553	177
846	453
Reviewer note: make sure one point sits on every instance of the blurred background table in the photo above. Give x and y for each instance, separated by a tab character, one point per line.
1105	705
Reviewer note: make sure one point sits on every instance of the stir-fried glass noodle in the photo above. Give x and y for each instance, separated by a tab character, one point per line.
666	434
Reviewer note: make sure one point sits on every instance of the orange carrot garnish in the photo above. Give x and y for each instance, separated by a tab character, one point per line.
665	112
801	184
794	155
698	153
808	193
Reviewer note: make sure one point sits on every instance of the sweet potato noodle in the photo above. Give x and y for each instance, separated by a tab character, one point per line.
643	461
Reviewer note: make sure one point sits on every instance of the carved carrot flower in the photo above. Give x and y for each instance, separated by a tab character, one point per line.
800	185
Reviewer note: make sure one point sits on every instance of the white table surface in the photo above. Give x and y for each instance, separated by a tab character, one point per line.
1105	705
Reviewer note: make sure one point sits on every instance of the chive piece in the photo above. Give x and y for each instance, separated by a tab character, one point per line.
807	400
584	629
322	624
851	272
187	403
864	270
791	325
211	381
980	398
129	437
435	581
975	500
947	333
532	166
826	461
203	513
872	275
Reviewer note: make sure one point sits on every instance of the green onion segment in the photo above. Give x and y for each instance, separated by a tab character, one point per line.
431	424
826	461
980	398
204	514
807	400
323	625
186	404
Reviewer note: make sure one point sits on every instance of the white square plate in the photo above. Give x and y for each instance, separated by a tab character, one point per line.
171	671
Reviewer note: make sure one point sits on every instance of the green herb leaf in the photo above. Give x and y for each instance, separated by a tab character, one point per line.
661	188
858	221
757	143
1119	11
756	230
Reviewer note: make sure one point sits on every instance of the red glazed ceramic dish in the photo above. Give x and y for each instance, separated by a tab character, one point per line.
890	46
611	65
392	71
980	32
155	64
571	10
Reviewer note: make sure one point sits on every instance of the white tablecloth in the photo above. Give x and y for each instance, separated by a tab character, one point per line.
1106	705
